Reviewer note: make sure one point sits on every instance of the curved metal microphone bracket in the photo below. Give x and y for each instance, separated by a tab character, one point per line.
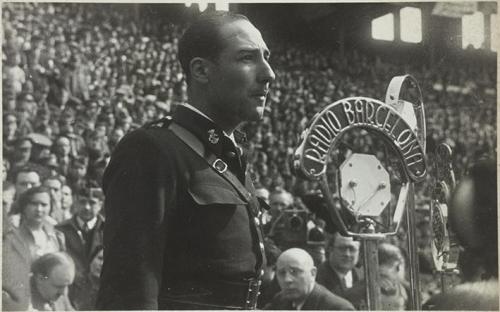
366	184
402	128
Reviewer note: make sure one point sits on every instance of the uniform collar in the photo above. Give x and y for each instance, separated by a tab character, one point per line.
191	107
205	129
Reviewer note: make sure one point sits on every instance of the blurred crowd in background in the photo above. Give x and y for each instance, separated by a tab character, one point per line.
78	77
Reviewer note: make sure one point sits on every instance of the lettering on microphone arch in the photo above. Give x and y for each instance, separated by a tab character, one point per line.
368	113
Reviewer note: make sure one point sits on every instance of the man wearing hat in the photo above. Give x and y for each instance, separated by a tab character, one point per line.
182	221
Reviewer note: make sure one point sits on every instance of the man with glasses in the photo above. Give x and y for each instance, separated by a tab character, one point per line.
339	272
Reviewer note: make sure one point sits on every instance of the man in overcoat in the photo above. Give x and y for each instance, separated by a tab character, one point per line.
182	222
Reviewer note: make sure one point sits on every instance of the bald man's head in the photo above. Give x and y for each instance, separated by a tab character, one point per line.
296	274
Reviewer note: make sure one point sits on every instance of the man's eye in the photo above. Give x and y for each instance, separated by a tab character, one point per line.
247	57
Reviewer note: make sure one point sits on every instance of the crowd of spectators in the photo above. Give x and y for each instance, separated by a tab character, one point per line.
77	77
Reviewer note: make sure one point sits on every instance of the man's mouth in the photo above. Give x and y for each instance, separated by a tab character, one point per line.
261	94
289	290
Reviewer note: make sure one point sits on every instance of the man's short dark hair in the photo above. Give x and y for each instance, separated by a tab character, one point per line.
202	39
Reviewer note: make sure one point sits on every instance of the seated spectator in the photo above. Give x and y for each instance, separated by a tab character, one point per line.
394	288
55	184
296	276
25	178
339	273
84	236
62	150
10	133
316	240
279	200
67	200
51	276
77	173
22	153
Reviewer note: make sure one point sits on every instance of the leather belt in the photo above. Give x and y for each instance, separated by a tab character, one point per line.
212	295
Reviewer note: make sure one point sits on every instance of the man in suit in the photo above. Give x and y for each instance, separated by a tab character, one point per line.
296	273
338	273
182	222
84	236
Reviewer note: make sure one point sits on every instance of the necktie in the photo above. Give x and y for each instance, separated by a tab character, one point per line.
86	228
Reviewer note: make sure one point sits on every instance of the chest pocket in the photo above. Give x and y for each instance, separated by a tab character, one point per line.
209	194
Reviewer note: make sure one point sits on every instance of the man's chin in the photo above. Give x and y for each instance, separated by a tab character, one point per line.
291	294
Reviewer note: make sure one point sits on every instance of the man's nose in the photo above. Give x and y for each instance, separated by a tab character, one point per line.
350	252
266	73
288	278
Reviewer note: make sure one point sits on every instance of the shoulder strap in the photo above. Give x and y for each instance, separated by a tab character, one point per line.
218	164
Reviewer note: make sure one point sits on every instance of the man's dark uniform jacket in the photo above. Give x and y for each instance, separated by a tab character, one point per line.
319	299
81	247
328	277
178	235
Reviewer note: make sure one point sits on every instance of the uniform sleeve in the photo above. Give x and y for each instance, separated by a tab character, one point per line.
138	188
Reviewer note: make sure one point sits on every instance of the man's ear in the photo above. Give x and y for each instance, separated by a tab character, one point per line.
314	271
200	68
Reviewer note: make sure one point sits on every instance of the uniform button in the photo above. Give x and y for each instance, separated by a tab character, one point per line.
261	272
261	246
257	221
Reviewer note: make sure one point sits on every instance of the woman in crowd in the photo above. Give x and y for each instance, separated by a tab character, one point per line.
23	245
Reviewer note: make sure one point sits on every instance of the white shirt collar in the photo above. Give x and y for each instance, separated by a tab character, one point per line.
347	278
90	224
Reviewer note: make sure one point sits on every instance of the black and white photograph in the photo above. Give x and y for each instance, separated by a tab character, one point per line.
229	155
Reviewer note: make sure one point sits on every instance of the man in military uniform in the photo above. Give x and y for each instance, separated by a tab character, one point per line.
182	228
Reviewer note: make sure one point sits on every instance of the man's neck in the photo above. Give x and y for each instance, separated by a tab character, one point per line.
200	103
340	272
297	304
